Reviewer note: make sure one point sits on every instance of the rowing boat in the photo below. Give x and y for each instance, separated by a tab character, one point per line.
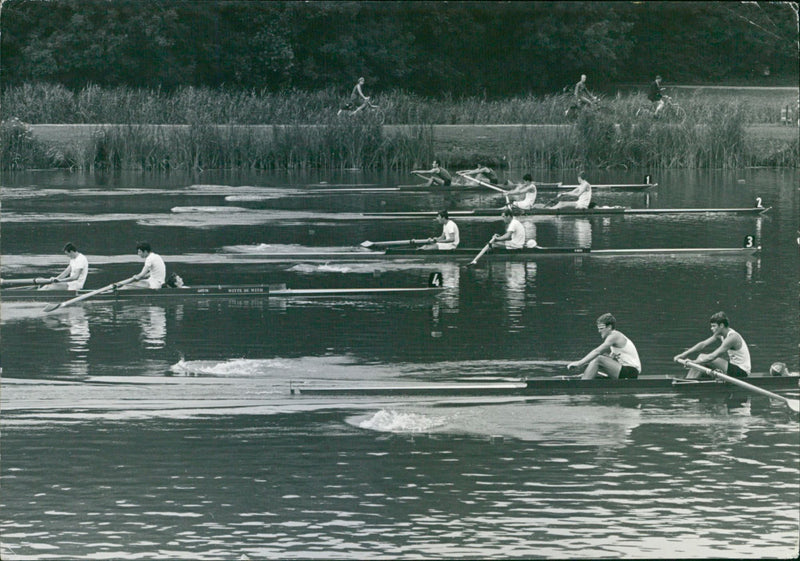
467	254
598	210
210	292
422	188
557	386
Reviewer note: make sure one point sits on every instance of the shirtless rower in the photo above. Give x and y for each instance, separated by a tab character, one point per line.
732	356
450	237
481	173
583	193
436	175
616	357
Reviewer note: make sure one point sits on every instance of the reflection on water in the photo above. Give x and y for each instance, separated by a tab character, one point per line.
76	322
137	430
154	327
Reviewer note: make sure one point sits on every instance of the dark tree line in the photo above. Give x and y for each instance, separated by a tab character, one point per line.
429	48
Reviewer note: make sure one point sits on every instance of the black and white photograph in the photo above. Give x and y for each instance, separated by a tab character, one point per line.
399	280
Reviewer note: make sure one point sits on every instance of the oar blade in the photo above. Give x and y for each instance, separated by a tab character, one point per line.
794	405
52	307
369	244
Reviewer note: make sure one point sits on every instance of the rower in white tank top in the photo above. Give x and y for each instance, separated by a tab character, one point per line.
583	193
616	357
731	356
741	356
627	355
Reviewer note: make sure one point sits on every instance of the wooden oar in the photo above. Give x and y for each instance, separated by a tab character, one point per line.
88	295
482	252
793	404
484	183
386	244
38	281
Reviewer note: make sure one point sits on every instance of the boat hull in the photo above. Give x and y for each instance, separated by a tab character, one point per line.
599	210
561	386
208	292
478	188
467	254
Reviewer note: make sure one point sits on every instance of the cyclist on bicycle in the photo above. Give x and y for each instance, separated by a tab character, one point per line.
656	94
582	94
357	98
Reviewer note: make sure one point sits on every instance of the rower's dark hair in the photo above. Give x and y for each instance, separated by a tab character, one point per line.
444	214
172	280
608	319
720	319
527	177
508	211
70	247
144	246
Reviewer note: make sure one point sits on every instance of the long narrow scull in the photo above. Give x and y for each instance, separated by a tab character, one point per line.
467	254
210	292
450	189
598	210
555	386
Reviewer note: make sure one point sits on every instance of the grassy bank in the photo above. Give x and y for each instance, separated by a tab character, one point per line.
713	134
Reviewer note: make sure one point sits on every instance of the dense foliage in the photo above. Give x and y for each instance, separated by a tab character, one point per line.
428	48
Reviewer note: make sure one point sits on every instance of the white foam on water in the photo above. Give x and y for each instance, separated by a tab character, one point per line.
325	268
238	367
201	209
403	422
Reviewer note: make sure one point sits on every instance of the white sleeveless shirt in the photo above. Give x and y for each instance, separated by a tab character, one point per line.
627	355
740	358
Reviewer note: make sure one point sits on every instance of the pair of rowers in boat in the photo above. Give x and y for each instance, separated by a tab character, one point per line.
522	196
616	357
513	238
152	276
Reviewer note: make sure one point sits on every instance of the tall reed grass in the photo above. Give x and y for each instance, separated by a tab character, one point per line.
226	129
51	103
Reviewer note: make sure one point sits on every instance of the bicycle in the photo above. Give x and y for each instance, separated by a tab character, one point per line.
576	106
671	111
372	110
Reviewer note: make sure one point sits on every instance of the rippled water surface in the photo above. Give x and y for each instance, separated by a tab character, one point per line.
158	430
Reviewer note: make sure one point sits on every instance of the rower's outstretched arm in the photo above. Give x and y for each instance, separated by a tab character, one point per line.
697	347
602	349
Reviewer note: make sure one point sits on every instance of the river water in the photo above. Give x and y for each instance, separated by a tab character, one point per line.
167	430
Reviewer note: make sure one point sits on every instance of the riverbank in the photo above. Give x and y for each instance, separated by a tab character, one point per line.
201	128
399	146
